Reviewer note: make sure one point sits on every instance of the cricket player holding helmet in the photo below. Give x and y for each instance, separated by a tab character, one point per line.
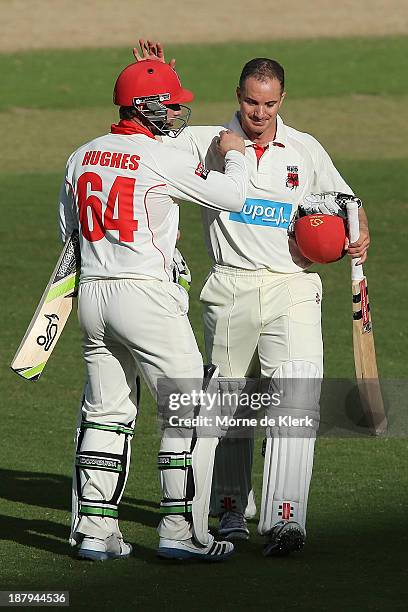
117	192
262	308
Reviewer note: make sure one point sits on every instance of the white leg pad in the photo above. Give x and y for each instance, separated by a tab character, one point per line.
289	450
101	469
202	463
286	479
232	475
232	486
186	462
174	463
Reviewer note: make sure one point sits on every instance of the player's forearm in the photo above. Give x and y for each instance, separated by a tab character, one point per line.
236	170
188	181
228	190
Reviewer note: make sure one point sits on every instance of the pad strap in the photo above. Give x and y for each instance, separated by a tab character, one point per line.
99	461
174	461
120	429
176	506
100	508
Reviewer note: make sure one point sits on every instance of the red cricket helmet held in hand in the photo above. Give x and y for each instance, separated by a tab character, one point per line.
149	78
321	238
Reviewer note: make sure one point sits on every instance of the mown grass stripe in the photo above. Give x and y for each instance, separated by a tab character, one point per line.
314	68
59	132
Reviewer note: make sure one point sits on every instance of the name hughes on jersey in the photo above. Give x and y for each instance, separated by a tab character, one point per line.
111	159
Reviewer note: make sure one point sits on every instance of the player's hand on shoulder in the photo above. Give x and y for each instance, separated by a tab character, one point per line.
230	141
152	50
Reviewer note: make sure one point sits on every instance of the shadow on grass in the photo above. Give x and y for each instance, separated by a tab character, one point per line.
35	533
53	491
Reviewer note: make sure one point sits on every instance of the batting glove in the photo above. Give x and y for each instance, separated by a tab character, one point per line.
181	272
327	203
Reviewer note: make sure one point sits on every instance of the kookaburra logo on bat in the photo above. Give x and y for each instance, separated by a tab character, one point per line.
50	333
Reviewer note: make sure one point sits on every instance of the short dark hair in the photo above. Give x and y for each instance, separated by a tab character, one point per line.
127	112
262	68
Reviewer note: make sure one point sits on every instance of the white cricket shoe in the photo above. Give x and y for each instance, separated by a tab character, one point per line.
95	549
233	526
284	538
187	550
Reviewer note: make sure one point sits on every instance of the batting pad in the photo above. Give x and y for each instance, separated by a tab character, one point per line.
101	470
233	460
289	449
232	476
186	461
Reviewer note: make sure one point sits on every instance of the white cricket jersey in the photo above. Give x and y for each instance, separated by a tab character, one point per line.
118	192
293	165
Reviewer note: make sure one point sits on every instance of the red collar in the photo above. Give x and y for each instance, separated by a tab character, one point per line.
260	150
130	127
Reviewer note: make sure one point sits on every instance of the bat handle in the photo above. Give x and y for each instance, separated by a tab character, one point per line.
357	272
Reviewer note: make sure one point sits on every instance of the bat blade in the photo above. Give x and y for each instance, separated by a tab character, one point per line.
51	314
365	360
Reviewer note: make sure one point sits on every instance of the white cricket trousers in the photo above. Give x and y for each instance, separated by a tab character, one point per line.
260	318
132	326
256	322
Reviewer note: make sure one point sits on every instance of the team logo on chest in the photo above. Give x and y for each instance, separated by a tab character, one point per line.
292	179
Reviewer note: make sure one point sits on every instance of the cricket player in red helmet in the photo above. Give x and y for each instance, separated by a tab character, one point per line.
158	90
118	192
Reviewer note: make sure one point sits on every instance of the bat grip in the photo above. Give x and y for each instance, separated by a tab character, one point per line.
357	272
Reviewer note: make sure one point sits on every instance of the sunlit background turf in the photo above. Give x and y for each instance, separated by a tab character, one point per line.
351	95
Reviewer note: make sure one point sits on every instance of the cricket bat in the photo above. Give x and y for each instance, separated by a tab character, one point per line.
51	315
363	339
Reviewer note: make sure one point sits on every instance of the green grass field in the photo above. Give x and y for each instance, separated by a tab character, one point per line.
351	95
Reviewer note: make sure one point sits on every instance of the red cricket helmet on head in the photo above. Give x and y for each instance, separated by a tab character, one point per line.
151	86
149	78
321	238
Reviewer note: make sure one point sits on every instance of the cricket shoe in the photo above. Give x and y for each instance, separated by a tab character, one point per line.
233	526
284	538
95	549
188	550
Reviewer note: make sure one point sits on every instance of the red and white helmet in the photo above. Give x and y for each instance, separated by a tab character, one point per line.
149	78
151	86
321	238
